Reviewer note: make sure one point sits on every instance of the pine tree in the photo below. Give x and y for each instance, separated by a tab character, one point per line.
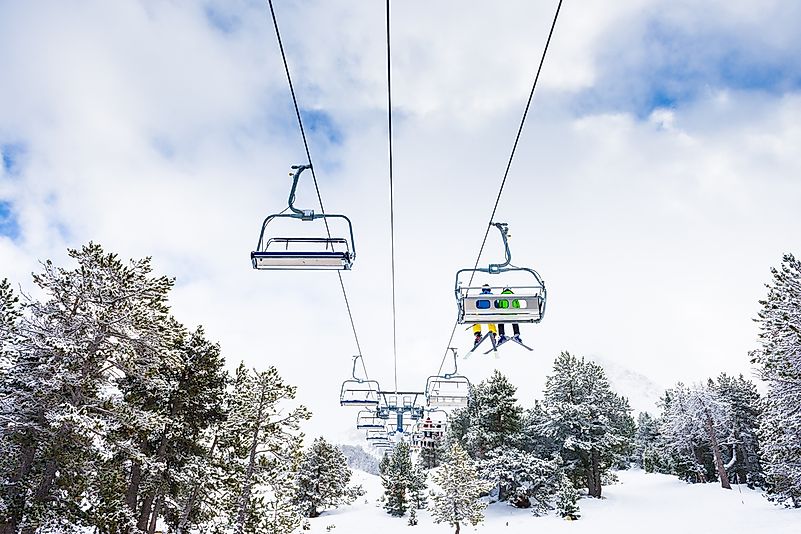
535	438
492	418
521	478
460	487
741	442
417	486
778	361
103	320
693	422
567	499
591	424
261	447
183	398
646	443
396	480
322	479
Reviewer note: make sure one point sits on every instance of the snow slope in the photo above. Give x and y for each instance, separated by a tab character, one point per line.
640	503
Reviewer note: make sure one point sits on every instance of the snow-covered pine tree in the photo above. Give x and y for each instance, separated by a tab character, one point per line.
457	500
778	361
12	492
10	314
590	422
534	438
685	454
383	464
432	455
103	320
417	485
646	443
692	424
261	446
521	478
567	499
492	418
183	398
395	479
322	479
741	444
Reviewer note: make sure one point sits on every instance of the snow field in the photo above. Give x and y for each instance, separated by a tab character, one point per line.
641	503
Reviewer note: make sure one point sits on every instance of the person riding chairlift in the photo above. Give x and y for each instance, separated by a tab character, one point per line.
485	290
504	303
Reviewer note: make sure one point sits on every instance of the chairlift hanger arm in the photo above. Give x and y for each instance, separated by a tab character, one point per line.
503	228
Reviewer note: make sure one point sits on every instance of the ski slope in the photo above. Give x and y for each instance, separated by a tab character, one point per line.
639	503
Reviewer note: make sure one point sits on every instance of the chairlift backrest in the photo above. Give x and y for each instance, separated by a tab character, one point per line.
526	304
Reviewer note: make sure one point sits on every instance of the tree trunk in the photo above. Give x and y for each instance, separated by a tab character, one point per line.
14	496
593	473
190	502
700	476
132	492
147	501
43	490
710	430
457	528
151	529
247	484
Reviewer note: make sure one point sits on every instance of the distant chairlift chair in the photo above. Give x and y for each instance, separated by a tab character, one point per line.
449	390
368	419
303	253
357	391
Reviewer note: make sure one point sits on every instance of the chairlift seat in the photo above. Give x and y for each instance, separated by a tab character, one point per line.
305	254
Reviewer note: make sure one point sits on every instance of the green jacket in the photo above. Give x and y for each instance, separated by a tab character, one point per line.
504	303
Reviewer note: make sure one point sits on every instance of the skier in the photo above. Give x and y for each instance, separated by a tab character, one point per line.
492	331
504	303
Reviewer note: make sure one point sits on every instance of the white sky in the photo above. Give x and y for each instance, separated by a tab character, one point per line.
656	183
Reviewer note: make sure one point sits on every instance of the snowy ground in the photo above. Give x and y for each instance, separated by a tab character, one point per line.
640	503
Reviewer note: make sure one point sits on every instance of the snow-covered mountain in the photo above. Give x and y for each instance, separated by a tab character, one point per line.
643	392
360	459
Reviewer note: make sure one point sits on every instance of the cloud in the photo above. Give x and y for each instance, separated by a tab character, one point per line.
677	52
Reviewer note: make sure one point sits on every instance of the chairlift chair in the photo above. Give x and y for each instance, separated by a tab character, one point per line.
303	253
449	390
356	391
376	434
367	419
526	303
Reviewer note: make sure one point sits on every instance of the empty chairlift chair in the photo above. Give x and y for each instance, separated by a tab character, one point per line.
368	419
357	391
304	253
449	390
